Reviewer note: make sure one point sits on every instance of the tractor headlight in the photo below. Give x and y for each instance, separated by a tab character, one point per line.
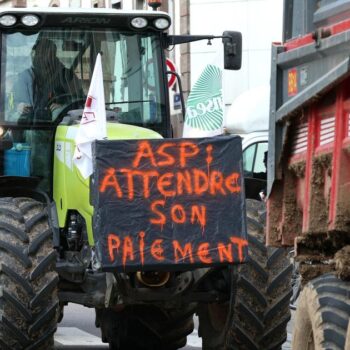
162	23
2	131
139	22
30	20
8	20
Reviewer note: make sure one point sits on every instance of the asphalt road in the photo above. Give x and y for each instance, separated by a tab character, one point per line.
77	331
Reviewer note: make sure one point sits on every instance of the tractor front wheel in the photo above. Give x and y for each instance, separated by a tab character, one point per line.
28	302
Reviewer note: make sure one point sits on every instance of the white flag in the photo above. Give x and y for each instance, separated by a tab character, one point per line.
93	122
205	105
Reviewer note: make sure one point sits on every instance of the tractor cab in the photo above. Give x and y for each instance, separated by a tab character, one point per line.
47	60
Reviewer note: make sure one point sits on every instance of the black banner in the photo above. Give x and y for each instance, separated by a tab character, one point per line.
169	204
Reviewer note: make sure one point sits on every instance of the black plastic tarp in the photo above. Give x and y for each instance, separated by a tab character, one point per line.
168	204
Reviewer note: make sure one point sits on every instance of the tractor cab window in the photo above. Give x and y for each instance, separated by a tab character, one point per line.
47	73
131	78
38	78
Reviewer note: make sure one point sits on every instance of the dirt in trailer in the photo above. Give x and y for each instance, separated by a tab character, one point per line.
309	272
320	246
342	263
319	204
298	168
284	223
292	220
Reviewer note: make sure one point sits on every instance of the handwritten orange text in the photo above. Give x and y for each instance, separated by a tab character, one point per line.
126	249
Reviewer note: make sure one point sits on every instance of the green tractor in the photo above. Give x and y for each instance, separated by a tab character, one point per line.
47	246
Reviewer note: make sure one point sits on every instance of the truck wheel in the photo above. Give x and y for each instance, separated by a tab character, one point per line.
28	282
145	327
323	314
258	314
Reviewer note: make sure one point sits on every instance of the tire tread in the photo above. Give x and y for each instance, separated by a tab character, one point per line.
29	301
266	296
325	305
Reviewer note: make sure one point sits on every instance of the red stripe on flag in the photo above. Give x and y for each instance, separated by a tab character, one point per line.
88	102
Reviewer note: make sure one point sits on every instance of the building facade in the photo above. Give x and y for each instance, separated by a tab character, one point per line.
260	22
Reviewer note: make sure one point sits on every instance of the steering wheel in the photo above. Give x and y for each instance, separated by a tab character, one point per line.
79	102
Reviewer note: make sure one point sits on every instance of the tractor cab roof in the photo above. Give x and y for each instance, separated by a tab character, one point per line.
67	17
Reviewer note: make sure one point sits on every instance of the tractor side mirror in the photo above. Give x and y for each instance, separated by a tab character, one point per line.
232	50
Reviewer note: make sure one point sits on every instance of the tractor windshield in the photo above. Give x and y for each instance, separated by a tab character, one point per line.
45	74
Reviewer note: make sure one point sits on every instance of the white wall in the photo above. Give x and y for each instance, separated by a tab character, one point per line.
260	22
6	3
39	3
63	3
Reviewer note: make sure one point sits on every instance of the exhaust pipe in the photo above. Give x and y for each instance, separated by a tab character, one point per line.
153	279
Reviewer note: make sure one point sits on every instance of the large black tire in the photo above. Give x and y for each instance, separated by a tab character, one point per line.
28	282
323	314
145	327
259	311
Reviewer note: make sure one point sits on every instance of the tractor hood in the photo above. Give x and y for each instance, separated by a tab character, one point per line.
71	191
115	131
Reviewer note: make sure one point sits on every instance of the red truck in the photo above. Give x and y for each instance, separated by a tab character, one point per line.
309	165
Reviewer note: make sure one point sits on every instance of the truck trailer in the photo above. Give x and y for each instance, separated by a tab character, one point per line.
308	165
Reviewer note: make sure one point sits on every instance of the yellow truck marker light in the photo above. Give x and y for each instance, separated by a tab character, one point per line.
292	82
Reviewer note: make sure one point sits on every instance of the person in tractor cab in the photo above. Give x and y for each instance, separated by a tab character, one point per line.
47	85
40	94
